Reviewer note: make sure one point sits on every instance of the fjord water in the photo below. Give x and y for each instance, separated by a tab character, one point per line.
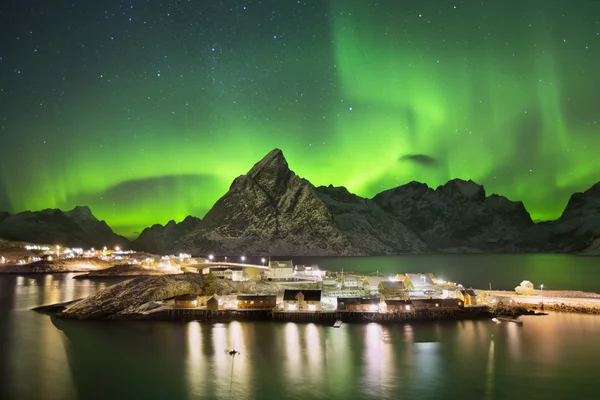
551	357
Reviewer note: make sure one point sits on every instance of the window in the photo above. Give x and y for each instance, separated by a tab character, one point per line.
252	302
407	308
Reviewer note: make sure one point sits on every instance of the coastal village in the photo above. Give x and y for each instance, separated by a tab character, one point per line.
283	289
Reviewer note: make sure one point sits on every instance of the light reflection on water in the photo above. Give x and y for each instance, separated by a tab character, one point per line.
479	359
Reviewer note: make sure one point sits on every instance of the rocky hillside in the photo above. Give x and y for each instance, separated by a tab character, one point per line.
161	239
132	294
367	226
458	215
3	215
270	210
75	228
577	230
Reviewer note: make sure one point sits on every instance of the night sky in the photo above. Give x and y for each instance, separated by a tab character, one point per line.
147	110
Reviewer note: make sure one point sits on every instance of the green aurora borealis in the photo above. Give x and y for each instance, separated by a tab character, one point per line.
150	119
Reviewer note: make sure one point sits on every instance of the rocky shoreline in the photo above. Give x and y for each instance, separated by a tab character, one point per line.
120	271
562	307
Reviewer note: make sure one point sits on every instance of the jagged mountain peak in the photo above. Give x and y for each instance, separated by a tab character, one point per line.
81	213
272	162
459	187
583	203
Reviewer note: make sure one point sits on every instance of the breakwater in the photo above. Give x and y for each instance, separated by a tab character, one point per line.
564	307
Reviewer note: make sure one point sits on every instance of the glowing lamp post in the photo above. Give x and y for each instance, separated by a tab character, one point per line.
210	257
243	259
262	260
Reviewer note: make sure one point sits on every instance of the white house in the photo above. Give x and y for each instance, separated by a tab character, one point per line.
280	271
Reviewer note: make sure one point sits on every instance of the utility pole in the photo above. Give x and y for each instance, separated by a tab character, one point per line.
490	286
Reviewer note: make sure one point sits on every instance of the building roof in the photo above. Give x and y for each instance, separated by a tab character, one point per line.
392	285
376	280
309	295
471	292
348	300
187	297
281	264
257	297
419	280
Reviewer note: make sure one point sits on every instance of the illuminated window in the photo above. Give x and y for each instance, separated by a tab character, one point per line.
252	302
312	307
407	308
437	304
291	306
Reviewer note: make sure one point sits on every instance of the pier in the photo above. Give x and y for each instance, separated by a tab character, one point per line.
325	317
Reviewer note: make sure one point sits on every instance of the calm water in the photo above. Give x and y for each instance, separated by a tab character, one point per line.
553	357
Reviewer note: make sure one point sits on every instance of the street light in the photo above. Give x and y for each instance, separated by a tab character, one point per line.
243	259
210	257
262	260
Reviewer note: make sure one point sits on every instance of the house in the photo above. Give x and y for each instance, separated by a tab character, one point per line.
302	300
525	288
369	304
392	288
468	296
397	306
186	301
372	283
309	270
256	302
235	274
351	282
348	303
418	282
280	271
212	304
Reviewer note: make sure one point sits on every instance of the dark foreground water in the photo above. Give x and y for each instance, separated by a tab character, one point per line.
552	357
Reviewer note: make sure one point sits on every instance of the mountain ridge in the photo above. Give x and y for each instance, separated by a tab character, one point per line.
271	210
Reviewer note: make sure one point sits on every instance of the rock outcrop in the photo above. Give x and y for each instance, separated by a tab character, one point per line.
132	294
75	228
458	215
3	215
161	239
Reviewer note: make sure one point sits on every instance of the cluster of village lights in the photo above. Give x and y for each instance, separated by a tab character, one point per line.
242	258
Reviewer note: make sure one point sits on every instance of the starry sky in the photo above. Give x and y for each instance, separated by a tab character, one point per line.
147	110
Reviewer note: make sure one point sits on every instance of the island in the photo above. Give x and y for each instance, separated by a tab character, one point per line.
283	291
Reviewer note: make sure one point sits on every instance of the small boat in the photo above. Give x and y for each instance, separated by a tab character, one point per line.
496	320
338	323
